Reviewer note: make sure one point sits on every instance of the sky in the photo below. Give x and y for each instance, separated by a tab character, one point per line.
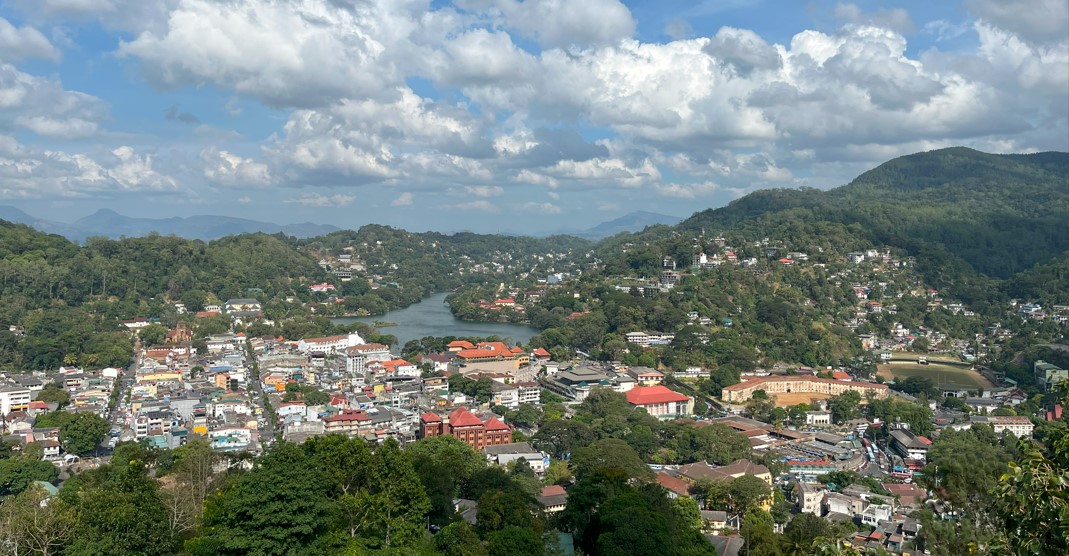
501	115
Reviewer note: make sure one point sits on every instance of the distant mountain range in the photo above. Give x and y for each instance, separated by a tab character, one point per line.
111	224
630	222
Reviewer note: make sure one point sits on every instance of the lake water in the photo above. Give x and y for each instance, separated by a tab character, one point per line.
431	317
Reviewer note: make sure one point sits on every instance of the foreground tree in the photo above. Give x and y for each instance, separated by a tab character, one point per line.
1032	502
33	523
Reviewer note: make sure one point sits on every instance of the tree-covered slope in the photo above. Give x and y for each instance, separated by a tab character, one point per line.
997	214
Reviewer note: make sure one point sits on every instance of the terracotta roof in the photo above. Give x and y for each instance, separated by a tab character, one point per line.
476	353
645	395
517	349
430	417
840	375
541	352
553	490
494	425
348	415
673	484
461	417
461	344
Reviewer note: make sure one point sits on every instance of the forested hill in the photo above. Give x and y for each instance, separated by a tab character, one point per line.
995	215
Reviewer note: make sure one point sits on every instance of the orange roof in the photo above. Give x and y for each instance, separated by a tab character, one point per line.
678	486
541	352
348	415
553	490
840	375
461	417
517	349
464	344
476	353
645	395
430	417
494	425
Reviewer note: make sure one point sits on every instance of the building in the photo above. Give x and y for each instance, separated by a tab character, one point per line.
348	421
738	393
909	445
553	499
1048	374
466	426
504	454
809	498
1019	426
358	356
14	399
329	344
660	402
807	471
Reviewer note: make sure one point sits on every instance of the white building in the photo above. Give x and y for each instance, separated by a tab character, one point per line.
358	357
14	399
329	344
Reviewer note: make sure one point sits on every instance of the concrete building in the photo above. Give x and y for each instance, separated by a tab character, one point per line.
772	385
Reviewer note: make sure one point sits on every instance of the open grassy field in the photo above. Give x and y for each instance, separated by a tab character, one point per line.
941	375
794	398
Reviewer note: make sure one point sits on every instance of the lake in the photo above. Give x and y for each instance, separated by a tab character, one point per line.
431	317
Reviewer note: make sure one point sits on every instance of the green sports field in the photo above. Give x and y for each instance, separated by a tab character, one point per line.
941	375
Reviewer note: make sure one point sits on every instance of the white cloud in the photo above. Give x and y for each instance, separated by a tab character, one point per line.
288	53
20	43
29	172
542	208
245	200
477	206
134	172
126	15
403	200
319	200
225	168
1032	21
42	106
484	190
895	19
563	23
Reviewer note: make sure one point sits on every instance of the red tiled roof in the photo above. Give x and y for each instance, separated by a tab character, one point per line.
494	425
840	375
430	417
541	352
673	484
553	490
644	395
476	353
348	415
517	349
461	417
460	344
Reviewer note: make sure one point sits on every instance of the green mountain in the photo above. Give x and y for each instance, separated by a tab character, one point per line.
997	214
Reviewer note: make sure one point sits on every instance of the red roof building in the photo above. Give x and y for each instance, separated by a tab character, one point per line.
466	426
661	402
348	421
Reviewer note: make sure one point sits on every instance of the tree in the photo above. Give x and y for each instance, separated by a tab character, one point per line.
844	407
515	541
1032	497
459	539
392	504
561	437
444	464
53	393
83	433
18	473
34	523
609	453
272	509
119	512
746	492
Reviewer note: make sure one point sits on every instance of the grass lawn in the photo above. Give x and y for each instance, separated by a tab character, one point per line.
787	399
941	375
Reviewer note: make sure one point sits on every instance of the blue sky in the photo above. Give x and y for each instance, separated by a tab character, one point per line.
501	115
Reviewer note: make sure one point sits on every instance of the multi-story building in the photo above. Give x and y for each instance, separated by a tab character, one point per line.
14	399
329	344
347	421
464	425
909	445
1019	425
743	391
359	356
